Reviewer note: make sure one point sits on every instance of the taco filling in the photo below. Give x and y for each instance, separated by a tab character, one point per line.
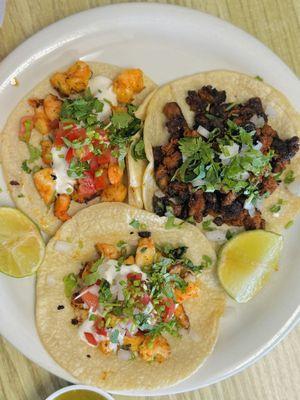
86	129
125	301
224	165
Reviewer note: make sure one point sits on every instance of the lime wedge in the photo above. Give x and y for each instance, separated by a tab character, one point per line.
246	262
22	247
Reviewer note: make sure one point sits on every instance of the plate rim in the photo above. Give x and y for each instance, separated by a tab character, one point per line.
292	321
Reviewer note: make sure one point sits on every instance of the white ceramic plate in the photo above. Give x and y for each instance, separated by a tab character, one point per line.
167	42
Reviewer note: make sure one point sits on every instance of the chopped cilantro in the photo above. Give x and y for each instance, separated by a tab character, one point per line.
170	223
138	150
259	78
25	167
92	317
82	109
229	234
138	225
121	120
289	177
70	283
206	225
275	208
288	224
77	168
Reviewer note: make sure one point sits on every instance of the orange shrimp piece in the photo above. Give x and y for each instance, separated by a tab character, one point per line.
115	173
61	206
191	291
127	84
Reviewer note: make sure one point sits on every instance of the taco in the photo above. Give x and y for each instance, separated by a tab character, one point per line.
223	151
126	302
65	144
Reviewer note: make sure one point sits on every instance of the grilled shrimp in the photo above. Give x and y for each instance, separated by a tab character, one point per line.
133	341
46	146
157	349
191	291
78	76
41	122
115	193
145	252
45	184
127	84
115	173
182	317
52	107
108	250
61	206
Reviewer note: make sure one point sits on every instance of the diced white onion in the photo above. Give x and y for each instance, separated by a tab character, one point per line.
258	146
198	182
259	204
63	247
294	187
216	235
270	111
244	176
257	121
159	193
232	150
248	205
124	355
203	131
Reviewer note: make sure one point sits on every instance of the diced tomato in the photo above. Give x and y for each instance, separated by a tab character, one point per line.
91	300
73	133
94	163
90	338
134	276
169	309
86	154
101	182
145	299
104	158
99	326
24	134
69	155
86	186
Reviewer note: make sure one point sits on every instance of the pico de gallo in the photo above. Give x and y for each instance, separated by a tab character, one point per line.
86	129
126	300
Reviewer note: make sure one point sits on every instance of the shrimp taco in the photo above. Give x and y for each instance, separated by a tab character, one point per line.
66	143
126	302
223	151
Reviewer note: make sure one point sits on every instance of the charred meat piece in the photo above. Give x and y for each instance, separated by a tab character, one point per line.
197	205
173	161
255	222
286	149
157	155
172	110
229	199
195	102
211	95
179	190
182	317
170	147
269	184
176	123
159	205
162	177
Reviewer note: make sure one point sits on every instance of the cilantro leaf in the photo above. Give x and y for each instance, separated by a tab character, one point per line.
289	177
138	150
70	283
136	224
121	120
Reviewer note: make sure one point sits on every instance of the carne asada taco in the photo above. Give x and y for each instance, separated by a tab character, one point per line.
126	302
66	142
224	147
